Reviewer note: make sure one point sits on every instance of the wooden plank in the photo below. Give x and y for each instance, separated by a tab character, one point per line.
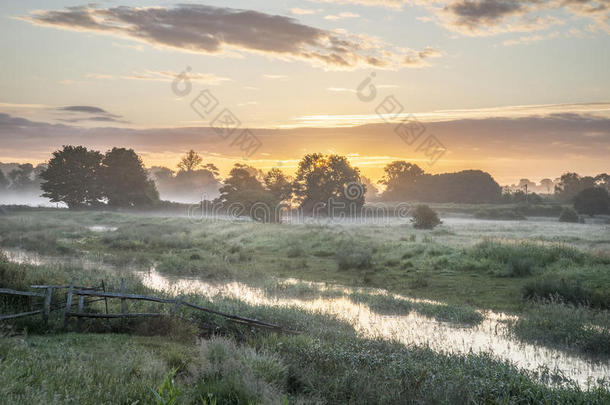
80	287
47	305
13	316
124	296
128	315
24	293
234	317
68	306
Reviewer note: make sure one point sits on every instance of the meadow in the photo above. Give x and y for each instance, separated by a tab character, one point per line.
551	279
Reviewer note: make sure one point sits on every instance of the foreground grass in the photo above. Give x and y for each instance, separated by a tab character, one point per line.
327	363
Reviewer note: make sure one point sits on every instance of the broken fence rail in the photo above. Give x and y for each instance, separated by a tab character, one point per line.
101	294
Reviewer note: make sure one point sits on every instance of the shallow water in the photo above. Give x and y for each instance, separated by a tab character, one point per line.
490	336
102	228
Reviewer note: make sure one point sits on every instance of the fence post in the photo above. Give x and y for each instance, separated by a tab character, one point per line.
105	299
47	305
176	308
68	305
81	306
123	302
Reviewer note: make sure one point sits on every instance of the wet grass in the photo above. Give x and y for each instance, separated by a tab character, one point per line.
328	362
555	324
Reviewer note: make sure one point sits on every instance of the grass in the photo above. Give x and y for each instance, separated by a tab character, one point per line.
468	267
222	362
556	324
482	265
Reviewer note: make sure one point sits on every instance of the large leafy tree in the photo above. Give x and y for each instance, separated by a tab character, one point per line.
592	201
570	184
72	177
278	185
400	179
328	182
124	180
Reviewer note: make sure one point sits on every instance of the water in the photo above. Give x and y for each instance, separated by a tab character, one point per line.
102	228
490	336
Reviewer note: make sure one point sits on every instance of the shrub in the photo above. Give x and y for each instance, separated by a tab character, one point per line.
424	217
592	201
568	215
352	257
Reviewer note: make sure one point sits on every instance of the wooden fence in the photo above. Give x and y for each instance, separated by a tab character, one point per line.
99	293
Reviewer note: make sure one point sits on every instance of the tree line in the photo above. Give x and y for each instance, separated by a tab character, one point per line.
80	178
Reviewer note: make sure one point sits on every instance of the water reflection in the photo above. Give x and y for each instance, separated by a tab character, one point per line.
491	335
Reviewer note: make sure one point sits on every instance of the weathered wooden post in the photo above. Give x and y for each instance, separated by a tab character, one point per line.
68	305
47	305
123	302
176	308
81	306
105	299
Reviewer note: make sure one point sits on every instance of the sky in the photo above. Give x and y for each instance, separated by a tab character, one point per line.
516	88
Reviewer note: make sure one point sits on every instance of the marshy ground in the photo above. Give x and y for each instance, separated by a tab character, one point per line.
388	314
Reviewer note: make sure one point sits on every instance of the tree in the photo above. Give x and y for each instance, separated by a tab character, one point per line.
72	177
547	184
603	180
190	161
328	183
467	186
592	201
278	185
424	217
242	194
124	180
372	192
22	177
3	181
400	179
571	184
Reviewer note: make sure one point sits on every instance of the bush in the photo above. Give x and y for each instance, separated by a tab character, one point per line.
424	217
352	257
592	201
568	215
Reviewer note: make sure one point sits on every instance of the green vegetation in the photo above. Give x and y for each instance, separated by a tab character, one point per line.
210	360
424	217
569	215
567	326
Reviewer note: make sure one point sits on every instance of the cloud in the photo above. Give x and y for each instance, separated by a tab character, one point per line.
215	30
84	113
167	76
375	3
490	17
341	16
529	39
83	108
302	11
